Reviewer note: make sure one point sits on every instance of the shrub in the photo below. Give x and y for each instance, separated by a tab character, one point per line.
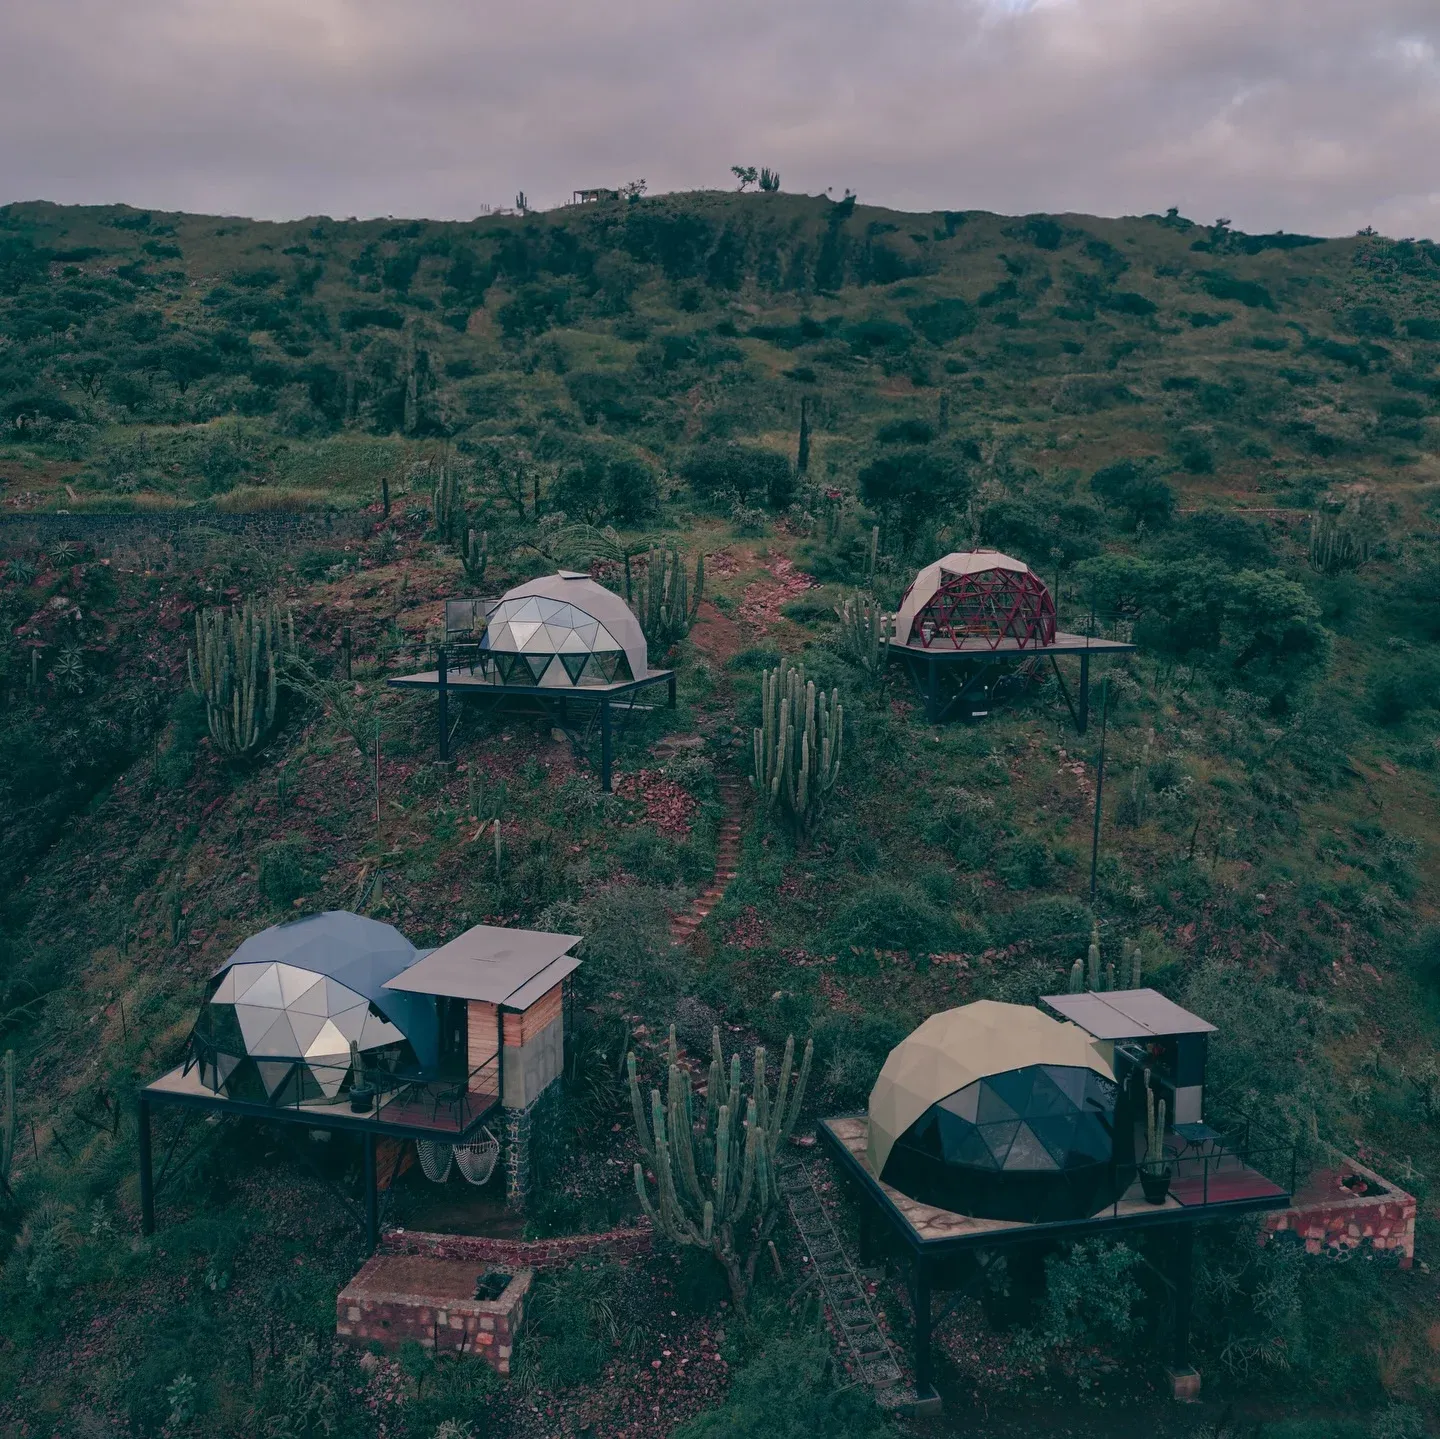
1025	864
785	1392
1398	688
717	472
891	916
287	871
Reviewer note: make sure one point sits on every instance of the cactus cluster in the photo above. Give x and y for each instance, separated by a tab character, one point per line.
476	555
447	506
864	635
663	599
234	668
7	1124
713	1160
1344	535
798	745
1090	974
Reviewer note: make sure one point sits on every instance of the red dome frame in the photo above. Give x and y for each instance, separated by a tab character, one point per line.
992	606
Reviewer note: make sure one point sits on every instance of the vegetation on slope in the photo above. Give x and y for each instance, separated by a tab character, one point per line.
1219	444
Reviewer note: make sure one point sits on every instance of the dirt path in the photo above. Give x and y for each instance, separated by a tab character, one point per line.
716	637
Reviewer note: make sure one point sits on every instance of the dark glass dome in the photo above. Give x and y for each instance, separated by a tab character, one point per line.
1032	1145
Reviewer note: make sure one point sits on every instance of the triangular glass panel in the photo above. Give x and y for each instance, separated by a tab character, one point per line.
586	630
225	990
225	1031
963	1102
998	1139
992	1106
266	989
379	1032
339	997
527	609
330	1043
537	664
245	975
351	1022
278	1039
305	1027
294	982
622	667
1027	1152
313	1000
604	640
498	637
523	633
1046	1097
329	1077
574	666
607	665
254	1024
1069	1079
273	1074
573	644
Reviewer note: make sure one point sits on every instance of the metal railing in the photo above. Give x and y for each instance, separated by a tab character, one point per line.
448	1103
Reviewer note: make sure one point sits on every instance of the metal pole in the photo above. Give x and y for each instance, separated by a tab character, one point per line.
1099	785
372	1203
1083	723
444	701
147	1177
921	1296
670	686
1184	1253
932	692
605	745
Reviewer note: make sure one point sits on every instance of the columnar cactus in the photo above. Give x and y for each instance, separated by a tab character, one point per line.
7	1125
663	600
714	1167
865	631
797	745
234	667
1154	1161
447	505
476	555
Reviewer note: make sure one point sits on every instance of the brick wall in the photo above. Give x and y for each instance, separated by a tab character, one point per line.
518	1253
395	1299
1329	1217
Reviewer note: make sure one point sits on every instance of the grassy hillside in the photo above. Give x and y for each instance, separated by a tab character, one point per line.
1221	445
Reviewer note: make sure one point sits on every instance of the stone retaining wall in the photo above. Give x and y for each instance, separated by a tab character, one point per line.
1328	1217
518	1253
393	1299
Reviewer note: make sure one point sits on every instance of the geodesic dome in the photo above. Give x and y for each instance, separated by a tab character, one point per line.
981	597
999	1112
284	1009
563	631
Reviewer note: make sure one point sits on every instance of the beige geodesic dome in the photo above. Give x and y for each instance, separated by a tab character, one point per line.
974	598
562	631
957	1047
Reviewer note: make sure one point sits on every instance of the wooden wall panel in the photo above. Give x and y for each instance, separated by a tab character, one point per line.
482	1033
521	1028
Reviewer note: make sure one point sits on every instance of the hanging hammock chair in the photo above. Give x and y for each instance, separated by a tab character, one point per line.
476	1159
435	1159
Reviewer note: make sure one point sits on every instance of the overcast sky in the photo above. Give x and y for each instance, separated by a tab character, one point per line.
1310	115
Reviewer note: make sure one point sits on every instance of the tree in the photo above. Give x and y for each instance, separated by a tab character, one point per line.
746	174
911	489
633	190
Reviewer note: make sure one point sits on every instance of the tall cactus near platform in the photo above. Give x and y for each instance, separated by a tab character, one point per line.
864	636
234	668
664	603
715	1167
797	745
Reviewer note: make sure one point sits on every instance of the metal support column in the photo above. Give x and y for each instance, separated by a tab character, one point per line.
372	1199
1083	723
670	686
920	1296
1182	1276
605	744
443	702
147	1176
932	692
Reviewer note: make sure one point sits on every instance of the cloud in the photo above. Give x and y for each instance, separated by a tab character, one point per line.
1313	115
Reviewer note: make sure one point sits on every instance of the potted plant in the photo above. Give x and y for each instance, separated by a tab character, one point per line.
362	1095
1155	1167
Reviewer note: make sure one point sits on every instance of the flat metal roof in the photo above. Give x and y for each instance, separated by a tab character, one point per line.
492	964
1127	1014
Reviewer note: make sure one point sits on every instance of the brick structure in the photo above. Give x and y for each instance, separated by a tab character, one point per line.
1330	1215
395	1298
515	1254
